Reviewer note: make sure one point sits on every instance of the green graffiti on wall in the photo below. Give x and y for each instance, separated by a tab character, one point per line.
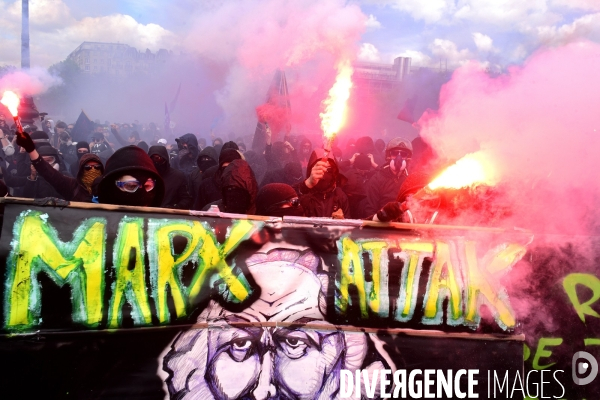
455	274
80	264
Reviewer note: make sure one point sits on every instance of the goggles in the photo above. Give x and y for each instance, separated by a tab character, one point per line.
293	202
132	186
89	167
403	153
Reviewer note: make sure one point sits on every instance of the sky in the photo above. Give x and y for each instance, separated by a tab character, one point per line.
450	32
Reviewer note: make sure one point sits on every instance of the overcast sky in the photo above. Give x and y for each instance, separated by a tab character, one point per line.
501	32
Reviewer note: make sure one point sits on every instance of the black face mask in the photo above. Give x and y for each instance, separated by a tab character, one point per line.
290	211
326	183
161	166
236	200
206	163
139	198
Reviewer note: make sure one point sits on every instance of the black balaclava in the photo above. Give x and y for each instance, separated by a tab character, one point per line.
82	145
161	151
326	183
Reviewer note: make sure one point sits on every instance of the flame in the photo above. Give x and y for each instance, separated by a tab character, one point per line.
474	168
336	106
11	101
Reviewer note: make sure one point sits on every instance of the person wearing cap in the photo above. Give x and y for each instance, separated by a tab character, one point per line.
68	188
321	194
238	189
99	146
162	142
383	186
130	179
176	189
278	200
210	187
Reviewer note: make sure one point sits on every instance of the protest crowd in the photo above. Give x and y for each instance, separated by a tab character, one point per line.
130	164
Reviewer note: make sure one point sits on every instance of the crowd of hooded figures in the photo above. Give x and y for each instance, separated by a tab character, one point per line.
364	179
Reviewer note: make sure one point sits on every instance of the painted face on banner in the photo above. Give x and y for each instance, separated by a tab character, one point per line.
244	360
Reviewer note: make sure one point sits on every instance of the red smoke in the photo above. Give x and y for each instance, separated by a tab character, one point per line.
539	125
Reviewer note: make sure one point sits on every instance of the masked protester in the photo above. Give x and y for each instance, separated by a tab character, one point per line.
68	149
81	148
278	200
304	152
187	155
321	195
238	189
71	189
399	209
130	179
383	186
176	189
206	159
209	190
34	185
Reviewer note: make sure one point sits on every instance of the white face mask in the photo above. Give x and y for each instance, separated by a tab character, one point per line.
56	166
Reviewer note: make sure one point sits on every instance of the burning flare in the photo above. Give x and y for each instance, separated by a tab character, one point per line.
472	169
336	105
11	101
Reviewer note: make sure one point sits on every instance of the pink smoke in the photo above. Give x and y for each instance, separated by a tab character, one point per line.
539	126
252	39
28	82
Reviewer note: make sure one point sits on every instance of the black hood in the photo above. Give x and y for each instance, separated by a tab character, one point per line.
318	154
239	174
192	142
159	150
126	161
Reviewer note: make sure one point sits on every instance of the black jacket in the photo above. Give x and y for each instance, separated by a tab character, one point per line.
382	188
176	187
323	204
68	188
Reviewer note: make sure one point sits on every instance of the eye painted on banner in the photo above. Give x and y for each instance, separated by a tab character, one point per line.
293	343
241	348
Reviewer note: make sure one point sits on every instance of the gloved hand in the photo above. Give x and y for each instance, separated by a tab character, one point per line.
390	212
24	140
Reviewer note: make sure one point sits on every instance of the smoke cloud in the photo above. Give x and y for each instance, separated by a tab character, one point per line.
538	126
30	82
252	39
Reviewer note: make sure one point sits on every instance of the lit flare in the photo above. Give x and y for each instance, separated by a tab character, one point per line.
470	170
11	101
336	104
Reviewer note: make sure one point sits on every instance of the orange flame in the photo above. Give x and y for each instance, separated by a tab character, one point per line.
336	106
474	168
11	101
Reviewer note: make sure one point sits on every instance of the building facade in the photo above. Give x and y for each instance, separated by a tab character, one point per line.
381	77
116	58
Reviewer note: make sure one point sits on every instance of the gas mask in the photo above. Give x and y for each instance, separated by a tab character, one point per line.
399	161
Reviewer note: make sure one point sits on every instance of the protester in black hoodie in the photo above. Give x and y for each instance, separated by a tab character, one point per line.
210	187
176	189
238	189
130	179
321	195
71	189
82	148
188	154
206	159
